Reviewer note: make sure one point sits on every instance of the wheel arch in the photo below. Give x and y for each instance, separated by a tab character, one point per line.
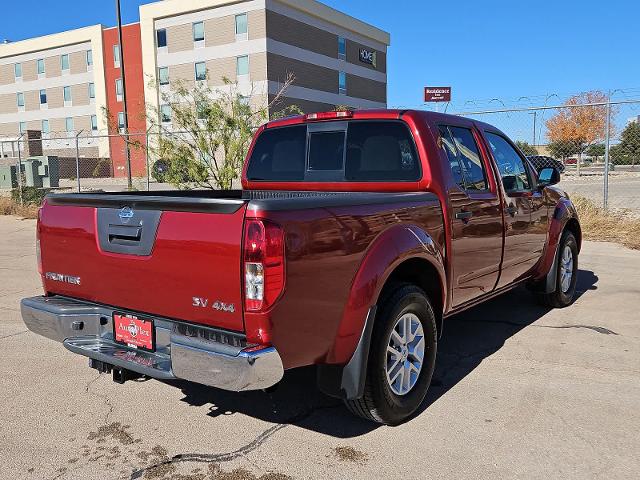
402	254
422	273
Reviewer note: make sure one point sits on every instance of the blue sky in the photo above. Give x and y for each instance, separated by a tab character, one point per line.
484	50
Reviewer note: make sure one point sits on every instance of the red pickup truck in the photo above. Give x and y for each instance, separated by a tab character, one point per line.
355	235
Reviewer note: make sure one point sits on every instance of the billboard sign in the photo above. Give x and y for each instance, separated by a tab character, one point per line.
437	94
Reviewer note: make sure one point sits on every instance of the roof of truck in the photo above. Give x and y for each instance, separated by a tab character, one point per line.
372	114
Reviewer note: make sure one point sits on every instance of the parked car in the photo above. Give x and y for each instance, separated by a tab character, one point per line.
356	236
541	162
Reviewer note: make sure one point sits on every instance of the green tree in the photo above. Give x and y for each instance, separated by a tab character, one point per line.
565	148
211	131
628	150
526	148
596	150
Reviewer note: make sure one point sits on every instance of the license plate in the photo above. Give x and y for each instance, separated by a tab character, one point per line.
134	331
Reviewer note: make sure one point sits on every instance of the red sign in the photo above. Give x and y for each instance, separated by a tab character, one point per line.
133	331
437	94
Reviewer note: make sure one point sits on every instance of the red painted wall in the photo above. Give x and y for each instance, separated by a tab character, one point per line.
136	113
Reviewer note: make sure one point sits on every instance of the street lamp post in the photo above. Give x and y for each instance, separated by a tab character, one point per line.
124	97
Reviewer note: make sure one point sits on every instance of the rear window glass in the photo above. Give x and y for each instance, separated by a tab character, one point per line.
279	155
326	151
375	151
380	151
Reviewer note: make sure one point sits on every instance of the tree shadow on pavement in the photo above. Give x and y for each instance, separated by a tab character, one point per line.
468	339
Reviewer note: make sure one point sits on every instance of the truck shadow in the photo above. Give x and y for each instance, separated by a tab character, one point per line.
469	338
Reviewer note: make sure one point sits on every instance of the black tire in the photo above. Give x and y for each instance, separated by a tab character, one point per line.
379	403
559	298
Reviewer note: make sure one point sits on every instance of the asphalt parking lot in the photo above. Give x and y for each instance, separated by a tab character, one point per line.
519	392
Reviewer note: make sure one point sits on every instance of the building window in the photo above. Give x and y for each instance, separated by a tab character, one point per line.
68	123
163	75
342	83
41	69
161	38
66	94
242	27
43	97
198	31
119	88
20	99
201	110
22	127
92	90
94	123
242	65
89	58
116	56
45	126
165	113
201	71
342	48
17	70
121	120
64	62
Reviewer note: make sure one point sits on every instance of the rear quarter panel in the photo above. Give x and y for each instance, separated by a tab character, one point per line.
325	248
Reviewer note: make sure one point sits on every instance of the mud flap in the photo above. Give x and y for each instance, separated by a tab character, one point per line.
347	381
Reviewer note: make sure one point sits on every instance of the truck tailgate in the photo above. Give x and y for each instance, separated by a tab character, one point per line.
147	254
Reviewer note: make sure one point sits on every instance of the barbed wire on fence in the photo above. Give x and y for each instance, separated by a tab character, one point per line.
604	168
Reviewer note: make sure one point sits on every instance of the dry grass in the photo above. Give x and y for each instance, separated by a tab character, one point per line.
9	207
602	226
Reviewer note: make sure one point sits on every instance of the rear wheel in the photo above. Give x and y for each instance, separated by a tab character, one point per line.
566	274
401	358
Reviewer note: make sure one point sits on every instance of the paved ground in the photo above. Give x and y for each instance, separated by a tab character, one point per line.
624	188
519	392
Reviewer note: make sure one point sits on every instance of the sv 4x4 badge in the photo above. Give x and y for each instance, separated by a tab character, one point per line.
217	305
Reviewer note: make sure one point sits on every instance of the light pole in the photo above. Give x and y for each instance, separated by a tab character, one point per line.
124	97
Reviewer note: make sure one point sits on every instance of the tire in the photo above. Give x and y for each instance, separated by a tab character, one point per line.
565	291
384	402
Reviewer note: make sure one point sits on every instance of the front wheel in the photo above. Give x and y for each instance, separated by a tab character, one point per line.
401	358
566	274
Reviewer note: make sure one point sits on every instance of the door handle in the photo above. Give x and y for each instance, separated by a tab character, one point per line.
511	210
464	216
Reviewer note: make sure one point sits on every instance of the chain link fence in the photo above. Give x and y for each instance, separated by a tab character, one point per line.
596	145
78	162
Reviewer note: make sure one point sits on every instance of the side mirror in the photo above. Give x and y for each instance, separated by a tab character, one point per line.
548	176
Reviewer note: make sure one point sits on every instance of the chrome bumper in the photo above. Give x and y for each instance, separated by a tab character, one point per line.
87	329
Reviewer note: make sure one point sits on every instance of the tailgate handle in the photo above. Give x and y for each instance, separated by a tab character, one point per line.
124	235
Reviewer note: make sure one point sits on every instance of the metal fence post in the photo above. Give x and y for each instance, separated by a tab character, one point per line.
605	199
146	152
19	173
78	158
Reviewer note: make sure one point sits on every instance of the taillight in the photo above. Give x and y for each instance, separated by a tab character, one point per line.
263	264
38	250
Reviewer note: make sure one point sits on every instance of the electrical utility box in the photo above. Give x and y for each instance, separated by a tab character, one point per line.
42	172
8	177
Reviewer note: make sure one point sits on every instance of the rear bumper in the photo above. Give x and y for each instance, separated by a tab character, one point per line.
188	353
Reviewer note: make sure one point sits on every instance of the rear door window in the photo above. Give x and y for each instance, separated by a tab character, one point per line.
464	158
